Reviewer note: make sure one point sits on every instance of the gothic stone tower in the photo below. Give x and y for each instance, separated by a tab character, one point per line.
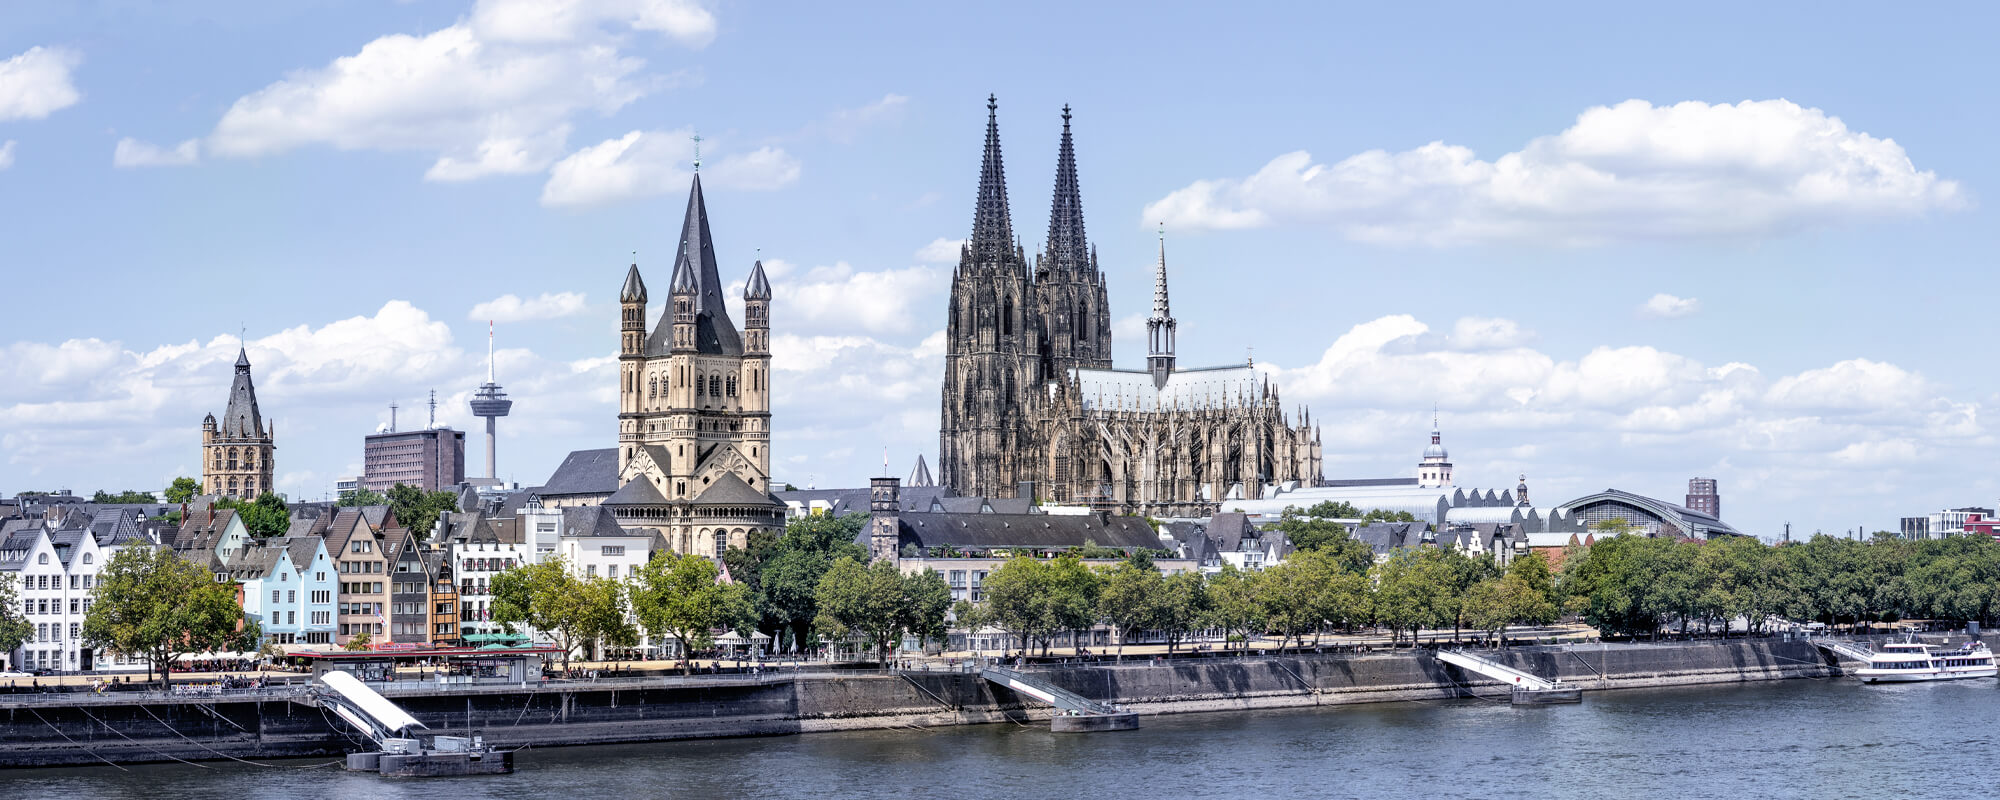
694	404
236	454
993	346
1073	314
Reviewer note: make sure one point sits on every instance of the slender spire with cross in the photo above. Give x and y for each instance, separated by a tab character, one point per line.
1160	326
697	152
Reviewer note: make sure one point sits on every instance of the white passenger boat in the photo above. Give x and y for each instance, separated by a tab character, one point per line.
1915	661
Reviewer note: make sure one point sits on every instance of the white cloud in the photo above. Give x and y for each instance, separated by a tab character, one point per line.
134	153
7	154
490	95
1666	306
940	251
1633	171
511	308
647	163
1853	384
840	299
37	83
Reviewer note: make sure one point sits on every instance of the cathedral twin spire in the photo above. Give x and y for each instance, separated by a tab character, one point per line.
1067	249
992	228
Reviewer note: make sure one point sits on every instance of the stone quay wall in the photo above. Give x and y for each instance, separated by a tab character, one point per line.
83	729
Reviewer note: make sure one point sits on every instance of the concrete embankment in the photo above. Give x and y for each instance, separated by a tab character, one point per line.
93	729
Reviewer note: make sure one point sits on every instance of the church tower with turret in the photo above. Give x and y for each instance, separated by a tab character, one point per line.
694	404
237	451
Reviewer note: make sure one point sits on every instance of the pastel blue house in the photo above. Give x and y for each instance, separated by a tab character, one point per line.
288	588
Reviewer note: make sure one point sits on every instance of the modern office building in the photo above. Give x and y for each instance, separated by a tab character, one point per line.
430	459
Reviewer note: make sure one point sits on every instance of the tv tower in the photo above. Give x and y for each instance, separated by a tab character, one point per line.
492	403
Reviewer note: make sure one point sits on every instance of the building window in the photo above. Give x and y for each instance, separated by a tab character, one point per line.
611	550
721	542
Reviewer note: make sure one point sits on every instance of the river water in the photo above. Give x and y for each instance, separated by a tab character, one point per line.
1821	739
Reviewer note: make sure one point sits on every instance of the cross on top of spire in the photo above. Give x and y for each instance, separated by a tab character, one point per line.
697	151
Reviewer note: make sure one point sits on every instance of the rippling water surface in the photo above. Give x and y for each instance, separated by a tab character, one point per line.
1803	738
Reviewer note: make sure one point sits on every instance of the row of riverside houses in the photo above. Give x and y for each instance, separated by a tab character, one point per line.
54	553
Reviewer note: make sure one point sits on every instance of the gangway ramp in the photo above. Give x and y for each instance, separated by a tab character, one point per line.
1849	650
366	709
1528	688
1081	713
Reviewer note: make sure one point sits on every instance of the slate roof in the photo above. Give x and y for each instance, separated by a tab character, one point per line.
847	501
584	472
729	490
927	529
639	492
242	420
695	257
591	521
1383	537
202	531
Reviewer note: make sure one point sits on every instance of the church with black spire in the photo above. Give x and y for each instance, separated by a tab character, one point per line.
1032	403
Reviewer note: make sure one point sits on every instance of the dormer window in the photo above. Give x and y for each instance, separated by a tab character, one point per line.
43	560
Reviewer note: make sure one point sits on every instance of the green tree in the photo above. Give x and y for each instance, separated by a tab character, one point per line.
1232	603
1016	602
1536	602
14	628
573	612
683	598
878	603
265	516
1614	526
783	573
127	496
360	643
152	604
182	490
355	498
1071	602
1313	530
1130	599
1411	589
1182	607
419	510
1307	592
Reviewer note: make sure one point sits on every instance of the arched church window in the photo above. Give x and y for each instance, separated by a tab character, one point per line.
715	386
700	387
1007	317
721	542
732	386
232	459
1082	320
653	387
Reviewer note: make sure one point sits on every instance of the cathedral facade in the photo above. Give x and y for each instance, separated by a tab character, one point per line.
694	404
237	452
1031	397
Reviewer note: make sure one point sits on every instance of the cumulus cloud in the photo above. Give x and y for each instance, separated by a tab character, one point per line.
647	163
1632	171
134	153
840	299
37	83
1666	306
490	95
511	308
940	251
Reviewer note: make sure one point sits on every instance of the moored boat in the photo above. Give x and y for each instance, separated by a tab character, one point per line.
1910	661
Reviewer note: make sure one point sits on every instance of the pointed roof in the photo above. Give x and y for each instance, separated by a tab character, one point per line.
242	419
992	228
1068	250
1162	311
637	492
759	287
635	287
920	475
695	272
729	490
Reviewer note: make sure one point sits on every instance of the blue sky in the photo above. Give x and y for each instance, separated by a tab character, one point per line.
1616	247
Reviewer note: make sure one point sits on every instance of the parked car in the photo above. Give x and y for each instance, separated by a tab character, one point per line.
15	673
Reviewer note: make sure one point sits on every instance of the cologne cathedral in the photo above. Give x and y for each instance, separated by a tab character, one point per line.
1032	403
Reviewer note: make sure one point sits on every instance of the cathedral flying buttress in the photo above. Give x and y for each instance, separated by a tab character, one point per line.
1032	403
